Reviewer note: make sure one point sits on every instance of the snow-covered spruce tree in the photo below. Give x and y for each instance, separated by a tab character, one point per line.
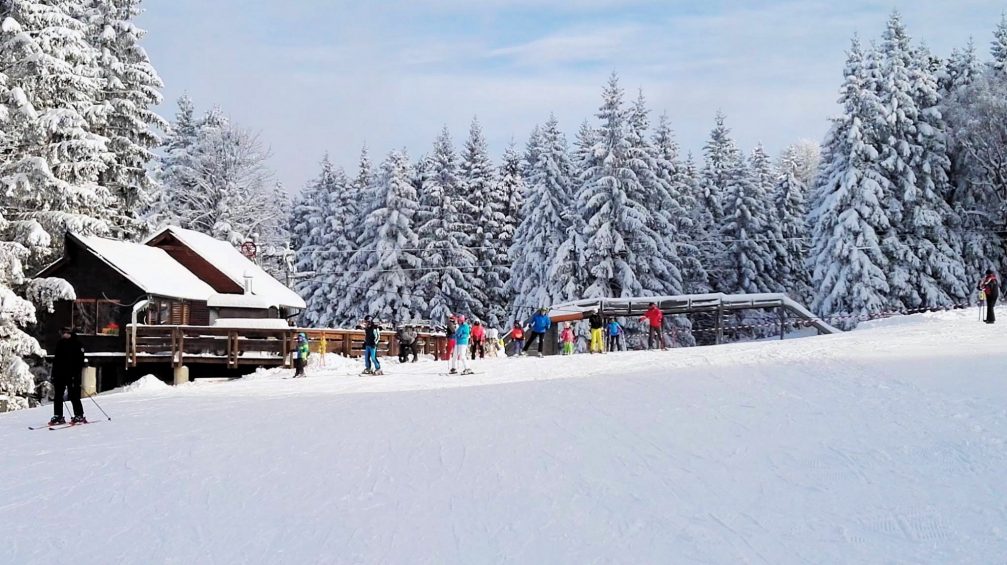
960	70
339	233
764	177
568	272
384	285
16	380
802	160
543	225
999	47
926	268
941	279
847	213
508	198
720	154
511	190
621	245
176	172
531	152
131	90
483	219
676	207
447	268
789	197
52	158
658	266
749	244
695	278
308	224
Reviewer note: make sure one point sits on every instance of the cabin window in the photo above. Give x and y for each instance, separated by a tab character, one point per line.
167	312
96	317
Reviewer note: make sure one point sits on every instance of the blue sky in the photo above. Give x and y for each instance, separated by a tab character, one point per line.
318	76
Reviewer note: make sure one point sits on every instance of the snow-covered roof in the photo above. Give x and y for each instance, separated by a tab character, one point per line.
235	266
251	301
149	268
731	301
252	323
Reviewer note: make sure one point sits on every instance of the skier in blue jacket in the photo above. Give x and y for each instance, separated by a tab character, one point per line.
459	355
540	323
614	335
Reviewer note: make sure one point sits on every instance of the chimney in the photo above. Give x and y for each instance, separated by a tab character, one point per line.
249	278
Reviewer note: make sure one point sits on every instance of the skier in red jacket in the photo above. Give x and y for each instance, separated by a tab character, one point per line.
655	321
478	342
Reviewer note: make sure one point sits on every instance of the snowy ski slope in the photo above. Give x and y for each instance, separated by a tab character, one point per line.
884	445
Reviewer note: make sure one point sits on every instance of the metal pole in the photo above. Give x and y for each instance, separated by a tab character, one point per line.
720	322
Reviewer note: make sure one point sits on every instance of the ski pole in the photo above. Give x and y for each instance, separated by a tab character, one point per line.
91	396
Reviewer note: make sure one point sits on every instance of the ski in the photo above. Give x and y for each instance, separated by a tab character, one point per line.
72	425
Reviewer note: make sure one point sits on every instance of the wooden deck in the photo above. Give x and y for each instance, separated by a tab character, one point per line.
243	347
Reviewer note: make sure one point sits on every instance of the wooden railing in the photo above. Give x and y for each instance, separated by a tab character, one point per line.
184	345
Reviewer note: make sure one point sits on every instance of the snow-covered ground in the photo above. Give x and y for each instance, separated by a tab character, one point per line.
884	445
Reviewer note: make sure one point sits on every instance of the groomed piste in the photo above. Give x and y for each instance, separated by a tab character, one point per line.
881	445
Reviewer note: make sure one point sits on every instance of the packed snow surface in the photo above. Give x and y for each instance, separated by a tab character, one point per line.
883	445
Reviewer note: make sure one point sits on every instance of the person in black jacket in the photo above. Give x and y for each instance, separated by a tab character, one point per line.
991	290
67	364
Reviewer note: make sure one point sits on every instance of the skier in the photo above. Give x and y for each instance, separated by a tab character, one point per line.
67	364
372	336
449	331
655	319
990	288
478	340
540	323
614	335
566	336
458	356
301	355
597	338
517	338
407	343
493	342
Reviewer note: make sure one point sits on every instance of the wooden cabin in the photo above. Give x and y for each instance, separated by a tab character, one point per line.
176	278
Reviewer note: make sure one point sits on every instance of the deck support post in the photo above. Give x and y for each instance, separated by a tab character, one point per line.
89	381
180	375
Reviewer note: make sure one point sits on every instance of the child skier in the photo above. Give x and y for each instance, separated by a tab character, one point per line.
517	338
566	336
301	355
990	288
458	356
614	335
597	327
372	336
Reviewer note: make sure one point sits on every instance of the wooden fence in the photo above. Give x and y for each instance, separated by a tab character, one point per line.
234	347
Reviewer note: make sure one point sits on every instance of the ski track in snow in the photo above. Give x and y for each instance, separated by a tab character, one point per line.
883	445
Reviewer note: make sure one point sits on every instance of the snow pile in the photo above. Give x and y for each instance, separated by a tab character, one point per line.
147	384
882	445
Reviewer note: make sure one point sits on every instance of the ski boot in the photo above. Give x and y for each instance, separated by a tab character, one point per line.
78	420
467	372
453	372
378	372
57	421
367	372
